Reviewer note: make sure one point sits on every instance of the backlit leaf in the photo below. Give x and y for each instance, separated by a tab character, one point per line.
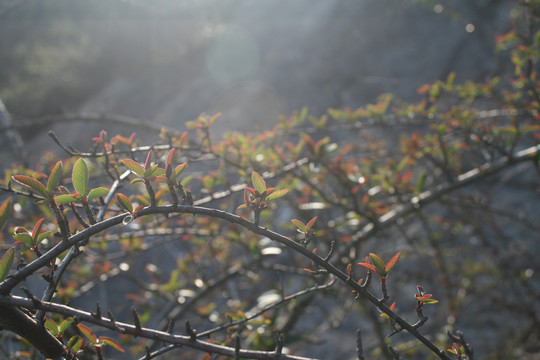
179	169
52	327
300	225
79	176
379	264
37	228
134	166
310	223
148	161
258	182
33	185
65	325
124	202
85	330
97	193
170	155
6	262
277	194
55	176
368	266
75	343
5	210
392	262
65	199
108	341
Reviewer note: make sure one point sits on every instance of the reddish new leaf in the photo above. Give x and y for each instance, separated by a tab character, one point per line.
390	264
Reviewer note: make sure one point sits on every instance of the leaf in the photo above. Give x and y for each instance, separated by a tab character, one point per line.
97	193
65	325
277	194
134	166
37	228
33	185
179	169
300	225
5	210
22	235
55	177
43	236
379	264
258	182
75	343
125	202
152	171
148	161
52	327
65	199
85	330
79	176
108	341
390	264
6	262
368	266
311	223
168	160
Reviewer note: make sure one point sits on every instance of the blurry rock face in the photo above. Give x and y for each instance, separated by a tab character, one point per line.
254	60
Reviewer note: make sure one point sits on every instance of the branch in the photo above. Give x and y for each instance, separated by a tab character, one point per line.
143	332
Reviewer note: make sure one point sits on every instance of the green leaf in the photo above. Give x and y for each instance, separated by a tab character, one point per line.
277	194
108	341
52	327
79	177
55	177
22	235
6	262
125	202
300	225
33	185
5	210
75	343
151	170
85	330
65	325
258	182
134	166
66	199
379	264
179	169
97	193
43	236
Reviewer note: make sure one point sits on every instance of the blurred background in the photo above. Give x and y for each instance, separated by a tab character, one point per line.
168	61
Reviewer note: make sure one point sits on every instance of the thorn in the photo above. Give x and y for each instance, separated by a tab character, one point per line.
237	348
136	319
97	314
113	322
35	301
170	326
278	337
192	333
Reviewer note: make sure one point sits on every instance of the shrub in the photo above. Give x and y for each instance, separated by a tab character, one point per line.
264	245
